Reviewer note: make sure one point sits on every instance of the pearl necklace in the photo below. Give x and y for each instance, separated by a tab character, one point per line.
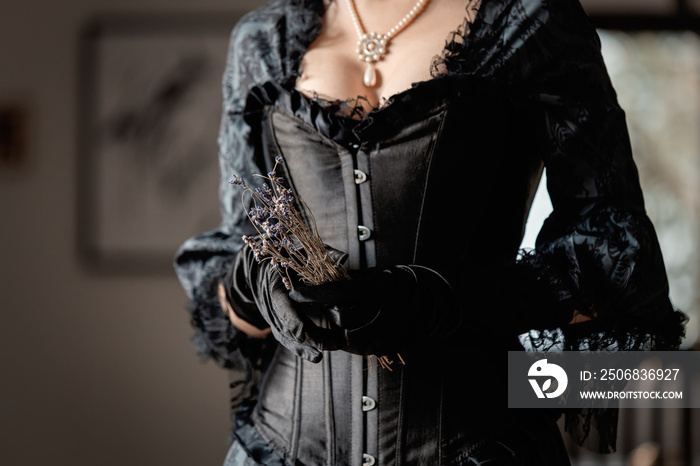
371	47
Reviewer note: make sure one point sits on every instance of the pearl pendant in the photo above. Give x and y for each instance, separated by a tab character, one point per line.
370	77
371	48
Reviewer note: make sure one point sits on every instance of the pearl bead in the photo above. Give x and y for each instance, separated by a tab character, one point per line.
371	47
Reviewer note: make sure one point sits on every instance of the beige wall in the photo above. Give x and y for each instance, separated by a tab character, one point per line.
94	369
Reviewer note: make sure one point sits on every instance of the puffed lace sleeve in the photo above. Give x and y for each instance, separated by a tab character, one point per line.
265	45
202	261
597	259
598	249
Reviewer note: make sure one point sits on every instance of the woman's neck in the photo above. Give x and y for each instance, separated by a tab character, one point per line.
331	66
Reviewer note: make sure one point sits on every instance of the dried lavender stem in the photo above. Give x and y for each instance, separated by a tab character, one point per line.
281	228
288	242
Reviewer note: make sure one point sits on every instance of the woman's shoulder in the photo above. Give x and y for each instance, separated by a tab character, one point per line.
275	17
520	19
513	38
529	9
270	37
259	21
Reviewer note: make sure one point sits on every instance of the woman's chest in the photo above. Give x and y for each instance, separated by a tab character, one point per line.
408	171
331	67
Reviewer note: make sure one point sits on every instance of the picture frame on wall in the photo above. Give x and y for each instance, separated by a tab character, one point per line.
150	106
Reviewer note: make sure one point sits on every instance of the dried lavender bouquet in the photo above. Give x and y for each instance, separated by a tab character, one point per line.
283	236
288	242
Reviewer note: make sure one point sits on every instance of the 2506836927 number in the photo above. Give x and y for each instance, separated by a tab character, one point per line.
639	374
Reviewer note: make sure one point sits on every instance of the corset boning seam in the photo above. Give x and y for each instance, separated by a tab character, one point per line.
279	444
328	405
296	426
431	152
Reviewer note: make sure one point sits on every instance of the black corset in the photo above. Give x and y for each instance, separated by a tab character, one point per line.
387	190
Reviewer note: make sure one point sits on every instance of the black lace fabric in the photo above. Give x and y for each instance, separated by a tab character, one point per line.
455	42
596	255
359	108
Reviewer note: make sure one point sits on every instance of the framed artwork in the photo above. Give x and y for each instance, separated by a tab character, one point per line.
150	106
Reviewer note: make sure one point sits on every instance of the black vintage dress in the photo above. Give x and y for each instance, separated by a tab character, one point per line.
441	175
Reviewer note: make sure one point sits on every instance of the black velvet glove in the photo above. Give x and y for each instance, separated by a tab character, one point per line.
238	292
379	310
258	295
515	298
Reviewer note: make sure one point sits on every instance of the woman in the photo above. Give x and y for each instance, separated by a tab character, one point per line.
426	188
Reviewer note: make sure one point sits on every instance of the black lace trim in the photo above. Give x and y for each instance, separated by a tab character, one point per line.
452	58
305	19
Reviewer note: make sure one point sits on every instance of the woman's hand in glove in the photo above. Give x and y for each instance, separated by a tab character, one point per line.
379	310
258	295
